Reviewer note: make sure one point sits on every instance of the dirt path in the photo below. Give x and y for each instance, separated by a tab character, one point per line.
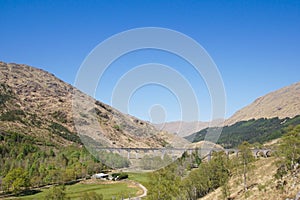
140	196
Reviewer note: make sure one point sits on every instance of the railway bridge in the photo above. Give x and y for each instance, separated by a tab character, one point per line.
135	153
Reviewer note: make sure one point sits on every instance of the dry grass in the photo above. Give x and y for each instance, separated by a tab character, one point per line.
262	184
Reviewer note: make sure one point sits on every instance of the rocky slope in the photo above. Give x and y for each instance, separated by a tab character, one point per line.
281	103
35	102
181	128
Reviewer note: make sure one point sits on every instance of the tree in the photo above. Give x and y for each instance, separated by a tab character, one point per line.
289	155
289	149
209	176
220	172
244	162
56	193
164	184
15	180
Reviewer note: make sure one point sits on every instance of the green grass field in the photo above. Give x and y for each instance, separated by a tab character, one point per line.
142	178
117	190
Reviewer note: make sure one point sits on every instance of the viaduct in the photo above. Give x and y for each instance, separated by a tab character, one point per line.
133	153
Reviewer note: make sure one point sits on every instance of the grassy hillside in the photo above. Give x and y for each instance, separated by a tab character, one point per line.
262	184
252	131
282	103
239	176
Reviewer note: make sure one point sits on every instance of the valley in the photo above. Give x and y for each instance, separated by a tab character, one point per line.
44	146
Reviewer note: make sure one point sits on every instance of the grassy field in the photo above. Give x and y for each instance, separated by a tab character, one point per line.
114	189
117	190
142	178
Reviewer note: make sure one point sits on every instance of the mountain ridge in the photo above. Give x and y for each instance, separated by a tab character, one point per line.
281	103
30	95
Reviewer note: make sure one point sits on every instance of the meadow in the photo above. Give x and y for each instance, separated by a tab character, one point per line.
109	191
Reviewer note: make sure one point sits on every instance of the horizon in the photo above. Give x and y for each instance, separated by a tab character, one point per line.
255	46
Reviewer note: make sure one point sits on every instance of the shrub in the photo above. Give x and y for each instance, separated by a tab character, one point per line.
64	132
13	115
119	176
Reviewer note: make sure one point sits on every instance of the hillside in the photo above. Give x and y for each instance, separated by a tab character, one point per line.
49	115
36	103
263	184
182	128
260	130
44	123
281	103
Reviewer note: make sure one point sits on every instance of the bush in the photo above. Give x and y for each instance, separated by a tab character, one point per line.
119	176
5	94
56	193
60	116
64	132
13	115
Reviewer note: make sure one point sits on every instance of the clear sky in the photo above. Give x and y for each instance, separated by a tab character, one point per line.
255	44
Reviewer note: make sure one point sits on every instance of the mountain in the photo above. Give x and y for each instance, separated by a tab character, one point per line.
281	103
36	103
182	128
44	123
260	130
267	118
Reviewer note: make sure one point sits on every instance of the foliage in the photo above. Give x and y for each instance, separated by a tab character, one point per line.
16	180
5	94
13	115
288	154
252	131
207	177
117	127
167	183
244	164
60	116
56	193
40	163
289	149
119	176
64	132
4	98
163	185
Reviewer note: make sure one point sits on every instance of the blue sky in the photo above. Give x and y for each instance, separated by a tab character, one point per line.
255	44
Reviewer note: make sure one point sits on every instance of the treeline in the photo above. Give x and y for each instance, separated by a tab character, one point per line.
26	161
177	181
252	131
